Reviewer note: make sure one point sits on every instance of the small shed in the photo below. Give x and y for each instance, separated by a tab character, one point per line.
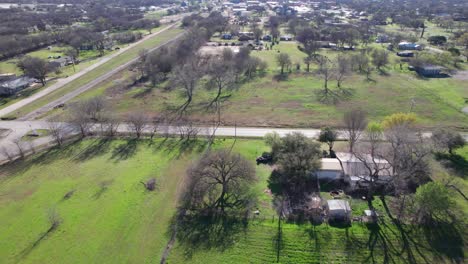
339	211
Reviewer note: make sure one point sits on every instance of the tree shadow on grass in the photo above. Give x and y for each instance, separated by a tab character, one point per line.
180	146
442	241
196	232
457	163
36	243
446	240
278	240
96	148
281	77
42	158
141	94
125	150
103	187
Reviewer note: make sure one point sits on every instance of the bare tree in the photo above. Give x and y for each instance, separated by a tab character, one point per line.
79	119
35	68
187	130
219	181
355	122
222	76
326	71
342	69
57	131
379	58
73	55
371	156
109	125
138	122
361	61
95	106
187	77
284	61
308	37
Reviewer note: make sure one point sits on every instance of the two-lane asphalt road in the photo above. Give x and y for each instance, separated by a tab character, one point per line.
17	129
62	82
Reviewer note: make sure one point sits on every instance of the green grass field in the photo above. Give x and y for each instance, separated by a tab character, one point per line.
111	64
107	216
293	102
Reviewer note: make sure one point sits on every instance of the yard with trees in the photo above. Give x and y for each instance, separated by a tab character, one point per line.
95	184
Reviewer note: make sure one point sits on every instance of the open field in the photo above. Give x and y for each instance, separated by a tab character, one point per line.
265	101
109	217
106	216
106	67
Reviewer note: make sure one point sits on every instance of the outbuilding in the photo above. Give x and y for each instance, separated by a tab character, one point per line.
338	211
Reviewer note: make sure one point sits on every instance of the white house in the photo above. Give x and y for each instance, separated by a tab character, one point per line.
353	170
356	173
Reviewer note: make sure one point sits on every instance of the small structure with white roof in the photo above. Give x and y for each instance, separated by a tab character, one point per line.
338	211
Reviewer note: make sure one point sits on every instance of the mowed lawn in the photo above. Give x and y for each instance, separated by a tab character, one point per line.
110	218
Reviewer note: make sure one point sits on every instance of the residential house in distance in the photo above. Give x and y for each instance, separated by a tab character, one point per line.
12	86
61	62
382	38
409	46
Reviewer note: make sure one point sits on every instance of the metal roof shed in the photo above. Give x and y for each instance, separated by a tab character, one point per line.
339	210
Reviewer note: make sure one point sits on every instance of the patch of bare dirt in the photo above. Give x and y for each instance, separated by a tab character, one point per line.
461	75
291	105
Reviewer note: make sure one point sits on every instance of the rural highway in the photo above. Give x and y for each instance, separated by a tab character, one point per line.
62	82
17	129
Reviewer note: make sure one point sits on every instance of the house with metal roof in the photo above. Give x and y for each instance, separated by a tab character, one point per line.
11	87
